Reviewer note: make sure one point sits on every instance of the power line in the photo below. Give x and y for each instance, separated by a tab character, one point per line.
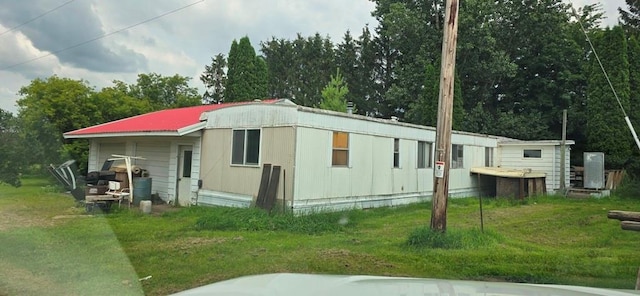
100	37
37	17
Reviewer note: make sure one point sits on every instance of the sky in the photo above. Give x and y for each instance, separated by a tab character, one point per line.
40	38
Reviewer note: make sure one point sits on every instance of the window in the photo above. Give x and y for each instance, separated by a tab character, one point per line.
186	164
488	156
246	147
532	153
424	154
340	152
396	153
457	160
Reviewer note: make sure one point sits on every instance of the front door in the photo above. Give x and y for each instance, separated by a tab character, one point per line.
184	175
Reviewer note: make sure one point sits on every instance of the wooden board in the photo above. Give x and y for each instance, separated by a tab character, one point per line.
264	184
272	191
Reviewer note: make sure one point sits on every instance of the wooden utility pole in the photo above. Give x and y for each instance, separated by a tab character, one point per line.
445	111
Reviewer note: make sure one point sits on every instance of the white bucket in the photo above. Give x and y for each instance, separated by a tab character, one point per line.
145	206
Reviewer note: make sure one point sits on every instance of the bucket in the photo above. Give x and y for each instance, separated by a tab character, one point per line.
141	189
145	206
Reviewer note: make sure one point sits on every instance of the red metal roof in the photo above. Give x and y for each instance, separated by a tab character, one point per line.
169	120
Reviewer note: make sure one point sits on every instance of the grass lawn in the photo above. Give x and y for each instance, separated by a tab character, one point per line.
49	246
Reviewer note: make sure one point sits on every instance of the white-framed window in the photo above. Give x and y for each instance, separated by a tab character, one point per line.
488	156
396	153
424	154
457	156
340	149
532	153
245	148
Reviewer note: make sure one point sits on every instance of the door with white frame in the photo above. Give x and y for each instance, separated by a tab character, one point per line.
184	175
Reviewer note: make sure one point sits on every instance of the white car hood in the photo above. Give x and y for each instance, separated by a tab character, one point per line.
288	284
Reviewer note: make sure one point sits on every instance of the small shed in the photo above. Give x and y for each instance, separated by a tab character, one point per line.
539	155
507	182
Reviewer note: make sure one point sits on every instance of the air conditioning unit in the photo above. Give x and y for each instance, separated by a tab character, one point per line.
594	170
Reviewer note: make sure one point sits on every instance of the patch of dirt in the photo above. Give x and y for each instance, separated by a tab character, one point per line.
12	220
352	260
17	280
191	242
159	209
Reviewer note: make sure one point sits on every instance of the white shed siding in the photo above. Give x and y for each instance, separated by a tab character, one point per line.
512	156
195	169
172	178
106	149
92	161
556	167
156	162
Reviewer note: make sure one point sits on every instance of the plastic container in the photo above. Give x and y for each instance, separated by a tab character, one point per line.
145	206
141	189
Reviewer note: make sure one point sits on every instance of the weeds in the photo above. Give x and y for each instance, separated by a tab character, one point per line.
253	219
425	237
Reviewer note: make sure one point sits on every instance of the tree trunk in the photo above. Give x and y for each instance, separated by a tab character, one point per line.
624	216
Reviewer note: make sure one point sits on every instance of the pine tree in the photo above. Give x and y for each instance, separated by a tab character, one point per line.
215	80
630	19
334	94
606	129
246	76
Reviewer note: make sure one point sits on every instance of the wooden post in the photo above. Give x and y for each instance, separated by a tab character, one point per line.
562	151
638	280
445	111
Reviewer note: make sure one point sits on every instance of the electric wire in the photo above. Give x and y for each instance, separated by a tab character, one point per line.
99	37
37	17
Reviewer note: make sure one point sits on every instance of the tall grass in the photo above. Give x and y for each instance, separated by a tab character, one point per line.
253	219
425	237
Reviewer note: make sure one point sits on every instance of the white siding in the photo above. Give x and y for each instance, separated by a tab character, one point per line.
92	161
195	170
512	156
106	149
156	162
370	178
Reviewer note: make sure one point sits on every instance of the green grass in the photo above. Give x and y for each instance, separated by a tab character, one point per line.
540	240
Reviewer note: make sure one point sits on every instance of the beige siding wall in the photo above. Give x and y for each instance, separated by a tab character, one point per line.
217	173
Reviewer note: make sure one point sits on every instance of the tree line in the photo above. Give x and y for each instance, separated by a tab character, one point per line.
519	64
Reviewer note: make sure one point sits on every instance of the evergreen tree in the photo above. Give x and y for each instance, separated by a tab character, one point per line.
281	63
215	80
606	128
334	94
261	87
630	18
246	78
424	111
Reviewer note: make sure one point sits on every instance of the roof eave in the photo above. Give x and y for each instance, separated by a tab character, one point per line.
125	134
191	128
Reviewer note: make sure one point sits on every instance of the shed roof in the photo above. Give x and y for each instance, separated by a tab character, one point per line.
169	122
507	172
